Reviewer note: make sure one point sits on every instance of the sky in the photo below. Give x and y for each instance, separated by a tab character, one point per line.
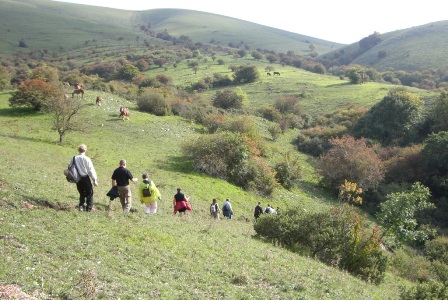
340	21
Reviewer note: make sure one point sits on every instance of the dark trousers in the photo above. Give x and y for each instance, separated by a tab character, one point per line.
85	190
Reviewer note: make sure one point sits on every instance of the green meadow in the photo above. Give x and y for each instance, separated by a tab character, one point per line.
48	246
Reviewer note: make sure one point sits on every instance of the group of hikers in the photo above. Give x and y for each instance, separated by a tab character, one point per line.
149	194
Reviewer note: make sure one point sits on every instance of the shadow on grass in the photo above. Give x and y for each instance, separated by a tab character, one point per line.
30	139
176	164
339	84
18	112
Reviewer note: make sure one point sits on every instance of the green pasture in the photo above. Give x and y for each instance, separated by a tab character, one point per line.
46	245
319	94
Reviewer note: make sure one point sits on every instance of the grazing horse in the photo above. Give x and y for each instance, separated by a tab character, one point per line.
99	99
124	113
268	73
277	73
77	92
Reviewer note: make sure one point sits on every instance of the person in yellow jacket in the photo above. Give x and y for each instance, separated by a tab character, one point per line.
149	194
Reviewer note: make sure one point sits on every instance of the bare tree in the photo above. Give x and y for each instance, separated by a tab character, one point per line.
64	110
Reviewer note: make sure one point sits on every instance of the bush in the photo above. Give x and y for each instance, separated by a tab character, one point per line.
437	249
351	160
334	237
233	157
229	99
155	103
288	172
432	290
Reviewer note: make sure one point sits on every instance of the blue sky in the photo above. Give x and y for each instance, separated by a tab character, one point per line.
341	21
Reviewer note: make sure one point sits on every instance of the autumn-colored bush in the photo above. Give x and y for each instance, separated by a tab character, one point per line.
352	160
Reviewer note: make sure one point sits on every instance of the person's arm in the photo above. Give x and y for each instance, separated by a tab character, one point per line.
114	183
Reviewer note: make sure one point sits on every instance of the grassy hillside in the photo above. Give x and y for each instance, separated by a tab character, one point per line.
51	25
50	247
221	30
416	48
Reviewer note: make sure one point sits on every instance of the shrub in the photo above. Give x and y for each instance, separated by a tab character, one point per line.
233	157
33	93
351	160
334	237
437	249
432	290
288	172
229	99
155	103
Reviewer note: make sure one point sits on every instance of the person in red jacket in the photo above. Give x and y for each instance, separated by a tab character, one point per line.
180	202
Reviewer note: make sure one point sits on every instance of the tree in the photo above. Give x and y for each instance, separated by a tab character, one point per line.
397	215
64	111
229	99
127	72
352	160
246	74
5	78
46	73
370	41
438	114
395	120
33	93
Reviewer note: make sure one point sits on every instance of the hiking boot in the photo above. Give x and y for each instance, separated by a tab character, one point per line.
81	208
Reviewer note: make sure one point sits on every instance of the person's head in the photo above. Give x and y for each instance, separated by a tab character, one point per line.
179	190
82	148
214	200
123	163
259	203
145	176
228	199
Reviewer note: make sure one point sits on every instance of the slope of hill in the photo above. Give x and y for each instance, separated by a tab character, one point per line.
221	30
417	48
49	247
45	24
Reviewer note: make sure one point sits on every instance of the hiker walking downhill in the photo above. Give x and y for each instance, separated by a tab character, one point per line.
120	178
227	209
86	171
258	210
214	209
149	194
181	202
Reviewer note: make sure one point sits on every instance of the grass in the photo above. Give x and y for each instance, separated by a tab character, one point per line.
48	246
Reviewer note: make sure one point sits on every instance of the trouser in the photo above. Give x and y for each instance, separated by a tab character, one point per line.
85	190
125	197
151	208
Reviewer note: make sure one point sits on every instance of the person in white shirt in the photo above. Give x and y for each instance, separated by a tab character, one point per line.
87	172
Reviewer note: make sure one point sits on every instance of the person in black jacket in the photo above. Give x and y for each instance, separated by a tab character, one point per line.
258	210
120	178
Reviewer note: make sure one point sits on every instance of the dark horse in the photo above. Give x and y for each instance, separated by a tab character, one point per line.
77	92
277	73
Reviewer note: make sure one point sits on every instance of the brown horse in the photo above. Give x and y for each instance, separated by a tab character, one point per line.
124	113
99	99
78	92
